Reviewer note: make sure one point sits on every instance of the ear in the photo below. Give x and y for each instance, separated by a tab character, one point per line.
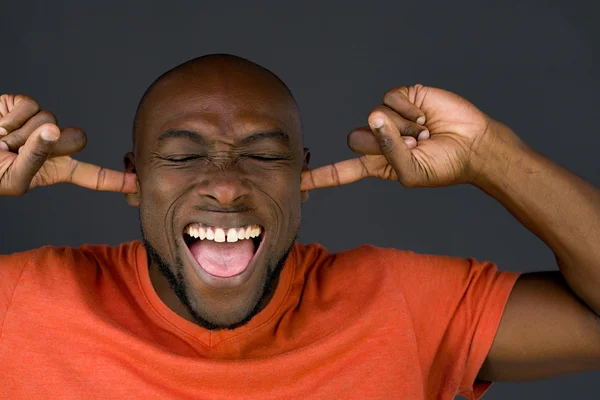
132	198
304	194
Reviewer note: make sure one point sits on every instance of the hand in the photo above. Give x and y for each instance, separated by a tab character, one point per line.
420	136
34	152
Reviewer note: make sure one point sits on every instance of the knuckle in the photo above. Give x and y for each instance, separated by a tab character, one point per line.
26	99
412	129
101	178
38	155
47	117
335	177
379	109
386	144
404	92
83	139
407	183
391	93
12	142
418	92
364	166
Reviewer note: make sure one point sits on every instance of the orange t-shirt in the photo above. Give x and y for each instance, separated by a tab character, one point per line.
368	323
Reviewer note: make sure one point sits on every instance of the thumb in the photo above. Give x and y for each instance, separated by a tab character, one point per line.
32	156
393	147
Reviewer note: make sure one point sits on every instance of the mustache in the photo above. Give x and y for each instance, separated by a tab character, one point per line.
239	208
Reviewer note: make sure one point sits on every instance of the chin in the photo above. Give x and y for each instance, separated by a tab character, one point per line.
223	302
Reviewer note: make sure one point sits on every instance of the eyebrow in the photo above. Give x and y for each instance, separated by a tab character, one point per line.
198	138
273	135
171	133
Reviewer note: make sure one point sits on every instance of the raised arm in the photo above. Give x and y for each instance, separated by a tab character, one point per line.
551	325
423	136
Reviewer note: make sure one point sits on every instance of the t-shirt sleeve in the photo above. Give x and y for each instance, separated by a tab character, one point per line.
11	269
456	306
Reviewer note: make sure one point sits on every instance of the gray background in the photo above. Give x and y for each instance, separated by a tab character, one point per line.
527	63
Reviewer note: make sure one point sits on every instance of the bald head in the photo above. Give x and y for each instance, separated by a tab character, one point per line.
205	71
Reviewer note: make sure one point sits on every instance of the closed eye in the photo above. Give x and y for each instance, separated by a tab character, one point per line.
265	157
183	158
261	158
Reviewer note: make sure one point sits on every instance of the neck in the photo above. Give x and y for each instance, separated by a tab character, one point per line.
166	294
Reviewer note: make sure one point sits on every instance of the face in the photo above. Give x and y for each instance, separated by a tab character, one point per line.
218	157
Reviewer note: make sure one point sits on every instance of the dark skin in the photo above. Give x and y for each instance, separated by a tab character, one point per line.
550	326
228	153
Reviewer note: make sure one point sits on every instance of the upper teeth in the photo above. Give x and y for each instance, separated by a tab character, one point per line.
221	235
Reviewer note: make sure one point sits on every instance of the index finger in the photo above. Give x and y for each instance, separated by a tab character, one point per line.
98	178
336	174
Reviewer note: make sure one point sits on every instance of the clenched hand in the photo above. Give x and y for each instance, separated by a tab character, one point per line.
35	152
421	137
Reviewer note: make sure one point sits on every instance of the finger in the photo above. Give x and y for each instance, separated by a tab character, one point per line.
17	137
340	173
406	127
24	108
398	100
98	178
72	140
362	141
391	144
32	157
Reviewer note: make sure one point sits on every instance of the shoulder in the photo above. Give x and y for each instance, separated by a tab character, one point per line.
367	256
48	260
405	268
364	264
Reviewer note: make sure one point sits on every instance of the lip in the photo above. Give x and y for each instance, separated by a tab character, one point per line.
224	221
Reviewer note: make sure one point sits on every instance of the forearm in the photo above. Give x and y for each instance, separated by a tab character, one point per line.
555	204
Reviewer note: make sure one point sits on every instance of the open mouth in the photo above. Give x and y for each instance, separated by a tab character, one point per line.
223	252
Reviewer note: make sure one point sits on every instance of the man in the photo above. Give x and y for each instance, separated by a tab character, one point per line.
220	302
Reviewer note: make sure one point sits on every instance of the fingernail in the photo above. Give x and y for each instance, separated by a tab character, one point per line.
376	122
410	142
423	135
421	120
3	131
3	146
49	135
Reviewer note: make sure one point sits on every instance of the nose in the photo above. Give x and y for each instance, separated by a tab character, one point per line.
225	188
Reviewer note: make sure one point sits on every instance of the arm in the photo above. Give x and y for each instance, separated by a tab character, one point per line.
428	137
551	325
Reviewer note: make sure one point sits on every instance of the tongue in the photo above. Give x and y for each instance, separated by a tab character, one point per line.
223	259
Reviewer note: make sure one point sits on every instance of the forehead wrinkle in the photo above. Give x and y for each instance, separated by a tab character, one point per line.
222	89
275	136
233	123
179	133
